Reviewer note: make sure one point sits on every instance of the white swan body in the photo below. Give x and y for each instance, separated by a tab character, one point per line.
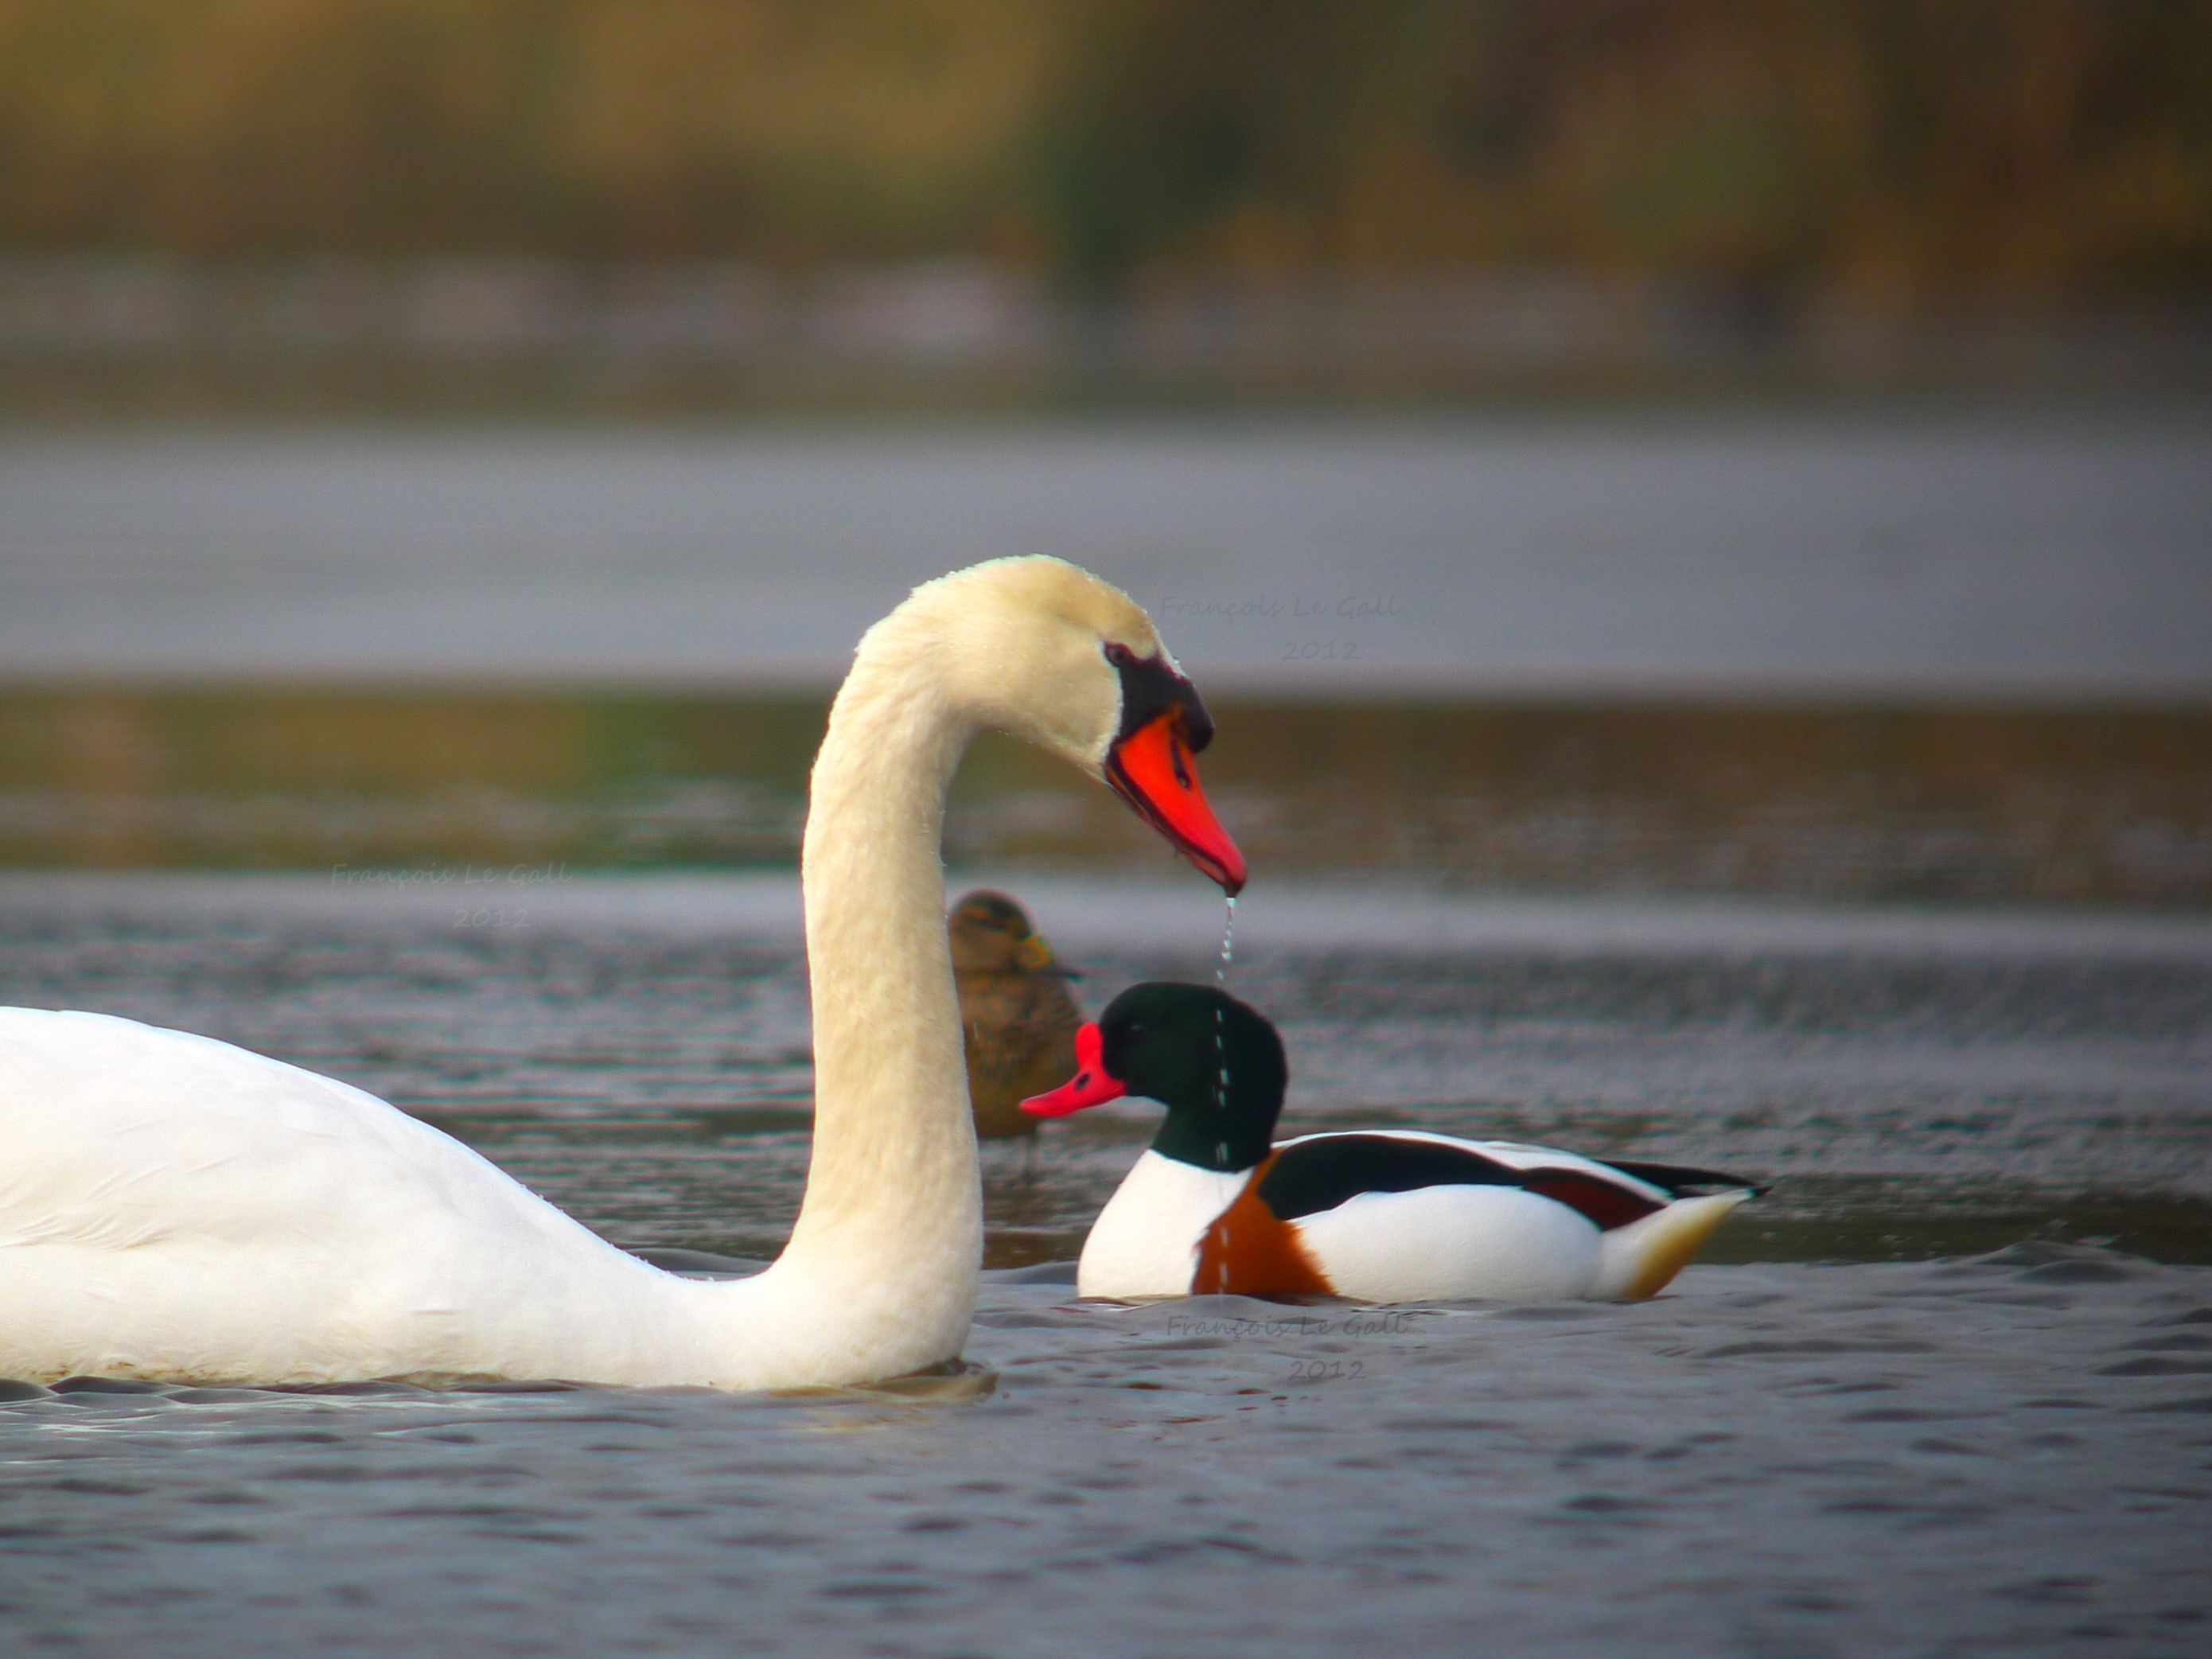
177	1207
172	1207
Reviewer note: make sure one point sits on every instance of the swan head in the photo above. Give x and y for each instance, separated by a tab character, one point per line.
1048	653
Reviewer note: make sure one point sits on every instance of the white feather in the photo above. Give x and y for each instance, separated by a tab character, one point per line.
1145	1242
174	1208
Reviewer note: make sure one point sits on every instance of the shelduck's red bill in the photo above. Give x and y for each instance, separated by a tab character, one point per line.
1092	1085
1151	769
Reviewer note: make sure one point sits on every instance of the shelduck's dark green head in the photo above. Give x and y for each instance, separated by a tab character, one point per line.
1215	1063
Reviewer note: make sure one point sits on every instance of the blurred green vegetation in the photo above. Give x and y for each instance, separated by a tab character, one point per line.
1890	804
1900	152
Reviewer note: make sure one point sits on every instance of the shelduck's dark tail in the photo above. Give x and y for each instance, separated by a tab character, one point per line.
1640	1259
1681	1181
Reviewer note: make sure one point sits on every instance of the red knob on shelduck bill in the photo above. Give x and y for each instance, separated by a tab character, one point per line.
1092	1085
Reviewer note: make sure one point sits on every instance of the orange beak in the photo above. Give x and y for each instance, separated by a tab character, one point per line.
1151	769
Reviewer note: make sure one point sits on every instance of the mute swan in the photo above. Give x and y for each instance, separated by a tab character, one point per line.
1018	1017
171	1207
1375	1216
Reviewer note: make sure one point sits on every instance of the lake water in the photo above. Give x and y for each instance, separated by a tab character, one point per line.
1731	552
1945	1391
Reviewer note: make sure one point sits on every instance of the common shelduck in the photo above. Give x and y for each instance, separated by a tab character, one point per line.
174	1209
1370	1215
1018	1017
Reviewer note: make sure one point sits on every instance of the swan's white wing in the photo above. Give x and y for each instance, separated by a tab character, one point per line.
119	1136
172	1205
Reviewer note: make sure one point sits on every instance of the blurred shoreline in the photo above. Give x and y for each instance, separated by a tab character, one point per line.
1946	657
1865	804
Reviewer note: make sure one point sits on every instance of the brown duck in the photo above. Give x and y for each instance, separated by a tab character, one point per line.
1016	1015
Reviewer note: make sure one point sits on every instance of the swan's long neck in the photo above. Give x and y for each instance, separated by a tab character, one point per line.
893	1212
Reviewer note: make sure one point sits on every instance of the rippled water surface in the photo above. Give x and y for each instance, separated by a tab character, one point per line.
1947	1390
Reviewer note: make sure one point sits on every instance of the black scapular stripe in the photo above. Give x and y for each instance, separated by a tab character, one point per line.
1680	1180
1320	1175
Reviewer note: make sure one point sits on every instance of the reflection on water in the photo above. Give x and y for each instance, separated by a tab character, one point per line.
1914	1083
1918	803
2006	1451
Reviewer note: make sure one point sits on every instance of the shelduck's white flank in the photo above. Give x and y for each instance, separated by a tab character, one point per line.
1432	1244
174	1208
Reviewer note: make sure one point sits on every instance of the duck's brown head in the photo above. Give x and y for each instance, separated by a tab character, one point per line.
990	934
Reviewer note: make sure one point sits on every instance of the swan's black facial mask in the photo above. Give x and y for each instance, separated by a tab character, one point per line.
1164	725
